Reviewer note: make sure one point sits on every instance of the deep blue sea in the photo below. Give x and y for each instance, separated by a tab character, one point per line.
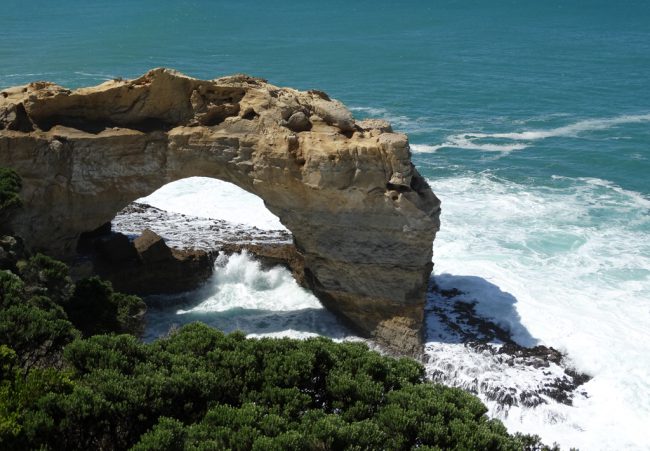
530	119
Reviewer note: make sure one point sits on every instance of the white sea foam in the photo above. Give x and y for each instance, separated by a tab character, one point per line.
521	140
241	295
567	266
212	198
570	130
466	142
240	282
572	264
423	148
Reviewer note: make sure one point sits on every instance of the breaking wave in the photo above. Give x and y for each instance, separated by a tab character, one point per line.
242	295
508	142
571	261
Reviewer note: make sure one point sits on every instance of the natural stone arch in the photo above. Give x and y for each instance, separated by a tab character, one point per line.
361	215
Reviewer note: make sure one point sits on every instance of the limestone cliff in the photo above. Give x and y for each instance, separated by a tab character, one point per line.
361	215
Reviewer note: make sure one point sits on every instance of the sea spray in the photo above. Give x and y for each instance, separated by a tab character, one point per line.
571	261
241	295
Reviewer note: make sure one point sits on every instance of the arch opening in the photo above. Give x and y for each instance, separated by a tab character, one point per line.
258	297
205	197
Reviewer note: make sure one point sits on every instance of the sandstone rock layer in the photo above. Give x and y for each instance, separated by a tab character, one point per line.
362	217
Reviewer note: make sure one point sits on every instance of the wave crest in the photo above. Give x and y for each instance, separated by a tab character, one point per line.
524	139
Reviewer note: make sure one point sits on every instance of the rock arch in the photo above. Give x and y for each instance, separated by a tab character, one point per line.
361	215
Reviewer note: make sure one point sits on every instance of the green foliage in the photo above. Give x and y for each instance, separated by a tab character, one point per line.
96	309
201	389
32	322
12	289
36	335
10	185
47	277
168	434
9	416
18	392
130	311
40	307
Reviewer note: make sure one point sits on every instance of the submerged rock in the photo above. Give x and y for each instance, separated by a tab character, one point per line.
362	218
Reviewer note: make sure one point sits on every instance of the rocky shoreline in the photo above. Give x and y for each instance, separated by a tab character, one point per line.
536	375
480	356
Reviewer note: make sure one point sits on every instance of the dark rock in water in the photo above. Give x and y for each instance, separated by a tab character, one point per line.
88	240
152	248
183	270
147	265
102	230
116	248
545	372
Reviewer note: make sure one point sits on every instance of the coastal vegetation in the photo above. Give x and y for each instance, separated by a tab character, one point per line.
74	375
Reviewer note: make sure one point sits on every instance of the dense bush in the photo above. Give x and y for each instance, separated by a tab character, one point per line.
10	185
42	310
94	308
31	324
199	389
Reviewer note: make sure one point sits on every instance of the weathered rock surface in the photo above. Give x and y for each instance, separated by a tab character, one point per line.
362	217
147	265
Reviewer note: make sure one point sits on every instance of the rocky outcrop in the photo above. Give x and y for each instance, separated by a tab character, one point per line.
362	217
147	265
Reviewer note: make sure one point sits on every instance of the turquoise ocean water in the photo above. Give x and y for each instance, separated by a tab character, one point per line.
531	121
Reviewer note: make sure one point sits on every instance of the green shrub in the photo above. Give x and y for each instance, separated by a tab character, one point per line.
38	336
201	389
96	309
12	289
19	392
48	277
10	185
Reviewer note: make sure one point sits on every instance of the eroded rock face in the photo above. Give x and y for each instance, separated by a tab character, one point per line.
362	217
